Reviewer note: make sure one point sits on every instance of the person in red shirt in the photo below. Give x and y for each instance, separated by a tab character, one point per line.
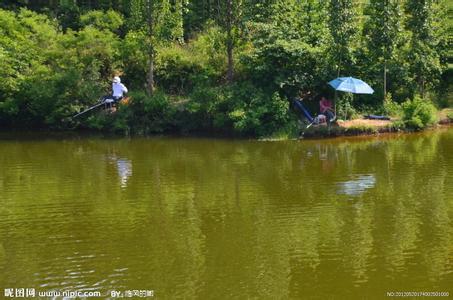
325	107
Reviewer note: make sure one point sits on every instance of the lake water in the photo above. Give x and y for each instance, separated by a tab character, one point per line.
226	219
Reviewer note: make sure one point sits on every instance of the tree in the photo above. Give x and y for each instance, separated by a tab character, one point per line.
230	17
198	13
230	22
109	20
259	10
383	31
424	22
301	20
72	67
343	28
289	54
158	21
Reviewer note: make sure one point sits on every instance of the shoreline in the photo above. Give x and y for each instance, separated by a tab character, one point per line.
339	131
352	128
312	134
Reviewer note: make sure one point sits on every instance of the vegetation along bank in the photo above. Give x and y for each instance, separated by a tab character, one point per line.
224	67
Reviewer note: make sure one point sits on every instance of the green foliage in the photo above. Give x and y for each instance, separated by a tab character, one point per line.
450	115
289	52
418	113
396	125
384	27
180	68
361	129
302	20
134	52
24	47
143	115
58	58
68	15
343	29
240	108
109	20
254	112
427	42
176	70
164	17
208	48
50	75
384	36
157	22
344	106
147	114
207	109
286	65
392	108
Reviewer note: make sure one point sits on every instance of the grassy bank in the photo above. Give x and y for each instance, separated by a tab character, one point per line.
370	127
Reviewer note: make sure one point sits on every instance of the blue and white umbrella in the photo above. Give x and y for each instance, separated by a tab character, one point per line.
351	85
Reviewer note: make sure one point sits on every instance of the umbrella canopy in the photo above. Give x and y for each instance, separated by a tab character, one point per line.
351	85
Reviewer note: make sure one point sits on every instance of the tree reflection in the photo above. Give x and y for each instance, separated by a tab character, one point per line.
201	218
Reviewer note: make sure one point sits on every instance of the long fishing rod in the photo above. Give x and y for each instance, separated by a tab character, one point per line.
90	108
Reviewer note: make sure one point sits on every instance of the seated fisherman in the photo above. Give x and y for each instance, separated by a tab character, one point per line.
325	107
118	89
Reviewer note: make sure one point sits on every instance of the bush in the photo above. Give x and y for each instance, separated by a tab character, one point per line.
48	75
142	115
150	114
25	40
450	115
209	49
177	69
240	108
418	113
345	109
286	66
207	110
392	108
254	112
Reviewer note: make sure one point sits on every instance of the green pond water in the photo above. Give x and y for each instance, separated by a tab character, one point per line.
200	218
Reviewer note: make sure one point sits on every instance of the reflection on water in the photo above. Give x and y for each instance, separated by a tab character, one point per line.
356	186
219	219
124	170
123	167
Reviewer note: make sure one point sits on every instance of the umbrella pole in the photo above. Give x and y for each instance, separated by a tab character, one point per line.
335	103
336	93
345	108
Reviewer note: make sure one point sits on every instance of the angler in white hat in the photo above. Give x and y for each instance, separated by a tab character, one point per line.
118	89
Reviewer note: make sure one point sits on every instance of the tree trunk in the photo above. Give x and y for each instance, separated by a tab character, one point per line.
219	10
385	81
150	77
423	88
230	71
